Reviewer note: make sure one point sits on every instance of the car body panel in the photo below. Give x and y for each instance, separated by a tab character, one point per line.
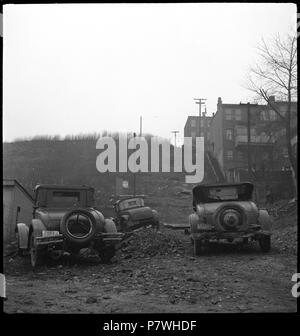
131	214
217	206
47	219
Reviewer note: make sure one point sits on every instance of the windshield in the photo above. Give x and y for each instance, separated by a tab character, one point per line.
206	194
223	194
66	196
63	198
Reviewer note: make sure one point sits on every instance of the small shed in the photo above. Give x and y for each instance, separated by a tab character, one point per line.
17	208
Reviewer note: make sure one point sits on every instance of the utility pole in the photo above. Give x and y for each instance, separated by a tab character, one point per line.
134	174
199	101
175	133
249	136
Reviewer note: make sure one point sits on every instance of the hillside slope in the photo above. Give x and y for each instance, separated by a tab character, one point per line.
73	161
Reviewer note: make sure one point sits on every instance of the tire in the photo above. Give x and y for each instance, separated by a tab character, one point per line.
239	215
106	254
37	257
89	225
265	243
198	247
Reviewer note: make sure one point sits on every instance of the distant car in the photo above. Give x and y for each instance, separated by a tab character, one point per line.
131	214
64	219
227	212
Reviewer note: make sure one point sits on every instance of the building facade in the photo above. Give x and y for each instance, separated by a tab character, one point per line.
264	154
198	126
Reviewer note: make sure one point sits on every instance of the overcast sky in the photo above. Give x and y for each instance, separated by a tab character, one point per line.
72	69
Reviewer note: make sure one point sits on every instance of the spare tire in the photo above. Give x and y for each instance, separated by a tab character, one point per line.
230	218
79	226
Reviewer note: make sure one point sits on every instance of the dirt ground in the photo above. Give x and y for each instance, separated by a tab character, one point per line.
156	272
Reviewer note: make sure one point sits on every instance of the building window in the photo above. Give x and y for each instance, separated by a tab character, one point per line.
193	122
228	114
241	130
229	155
193	134
238	114
264	116
229	134
265	156
240	155
273	115
285	152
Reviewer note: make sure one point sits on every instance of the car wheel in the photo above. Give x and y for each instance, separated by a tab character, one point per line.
265	243
106	254
198	247
79	226
37	257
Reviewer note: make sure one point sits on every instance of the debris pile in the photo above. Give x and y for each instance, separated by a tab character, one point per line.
149	242
285	235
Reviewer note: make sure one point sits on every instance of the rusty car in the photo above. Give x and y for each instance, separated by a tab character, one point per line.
65	220
132	214
227	212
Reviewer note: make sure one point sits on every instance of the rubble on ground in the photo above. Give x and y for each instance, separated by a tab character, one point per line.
284	235
149	242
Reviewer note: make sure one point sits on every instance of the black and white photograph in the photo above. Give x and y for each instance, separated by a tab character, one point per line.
149	160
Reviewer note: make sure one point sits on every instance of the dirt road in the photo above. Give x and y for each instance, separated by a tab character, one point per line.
157	273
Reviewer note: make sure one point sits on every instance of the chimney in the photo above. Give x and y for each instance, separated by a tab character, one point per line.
272	99
219	100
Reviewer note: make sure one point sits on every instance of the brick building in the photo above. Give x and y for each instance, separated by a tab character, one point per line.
198	126
229	141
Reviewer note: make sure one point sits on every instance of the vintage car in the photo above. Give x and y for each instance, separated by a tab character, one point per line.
64	220
226	212
131	214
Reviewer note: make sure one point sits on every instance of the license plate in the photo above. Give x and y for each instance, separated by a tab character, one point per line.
50	233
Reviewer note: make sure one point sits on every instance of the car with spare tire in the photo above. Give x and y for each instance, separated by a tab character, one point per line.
65	220
227	213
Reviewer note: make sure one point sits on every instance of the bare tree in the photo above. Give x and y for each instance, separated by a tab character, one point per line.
276	75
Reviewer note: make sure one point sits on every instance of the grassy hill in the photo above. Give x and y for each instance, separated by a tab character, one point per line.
73	161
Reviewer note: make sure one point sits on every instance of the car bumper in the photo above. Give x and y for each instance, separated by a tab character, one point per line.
110	239
42	241
212	235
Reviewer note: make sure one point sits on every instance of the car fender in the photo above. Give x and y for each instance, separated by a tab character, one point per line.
265	220
110	226
23	232
37	227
